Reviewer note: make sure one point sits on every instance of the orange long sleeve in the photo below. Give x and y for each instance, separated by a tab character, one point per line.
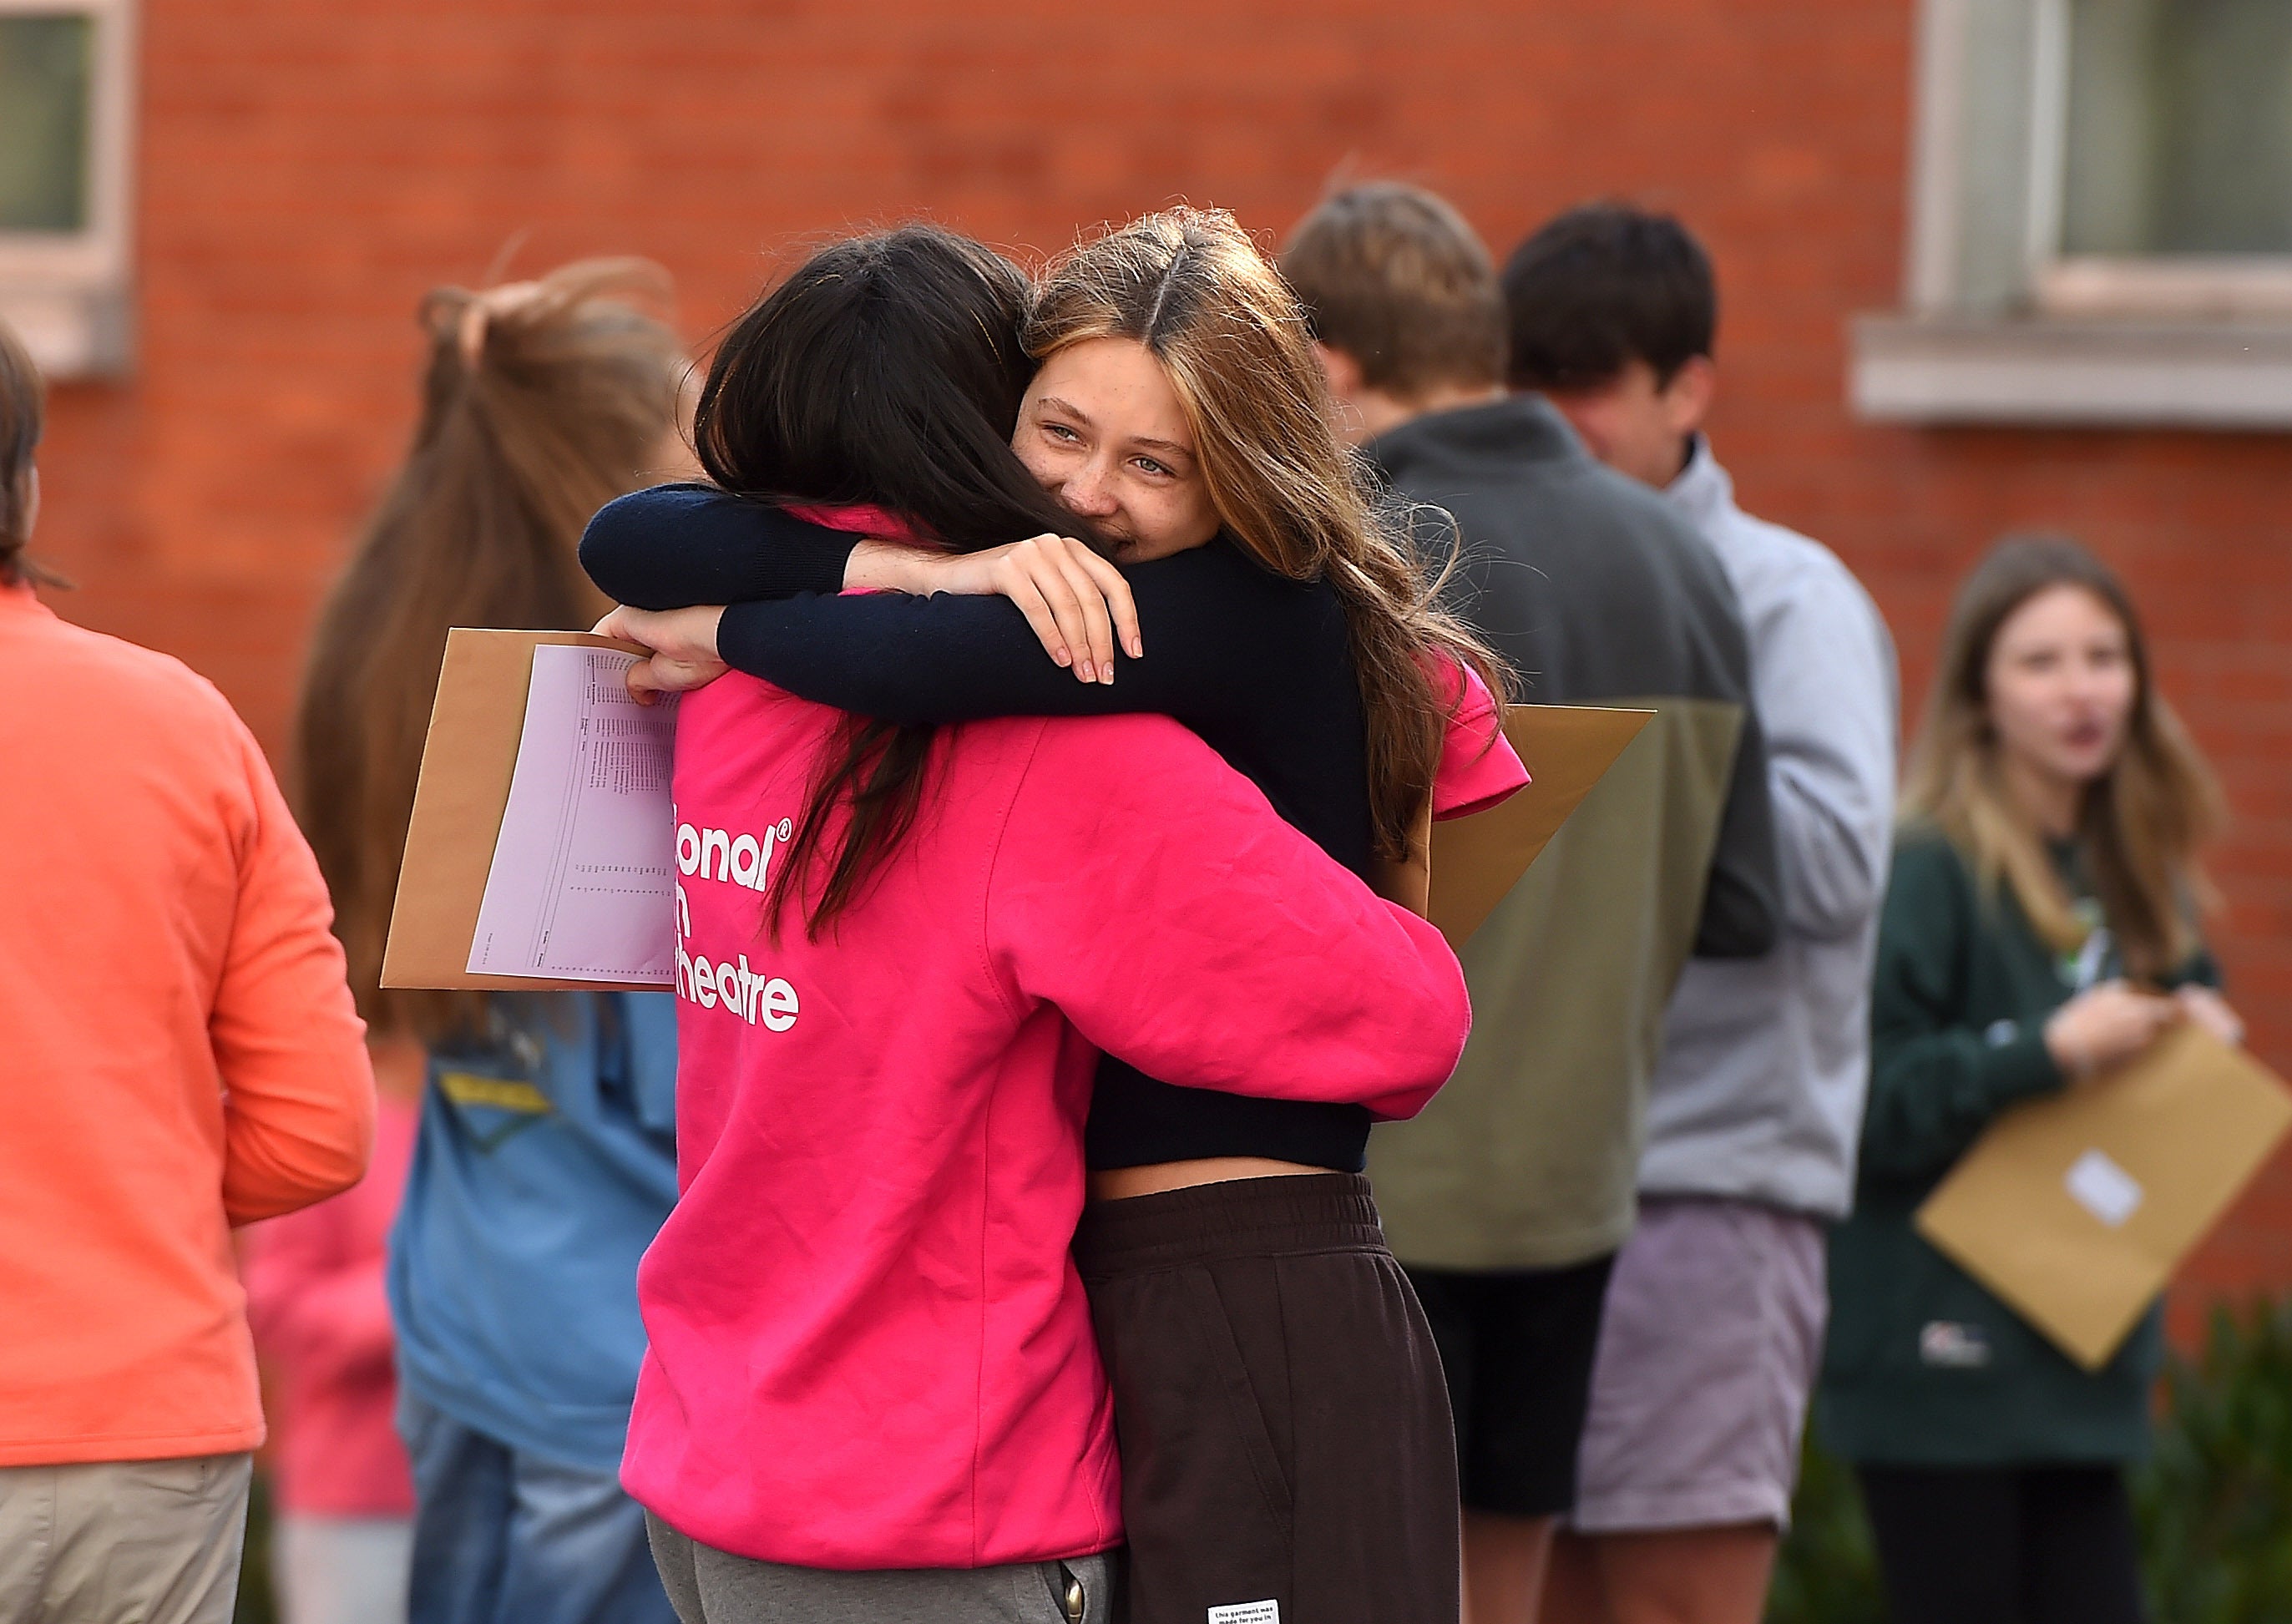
178	1048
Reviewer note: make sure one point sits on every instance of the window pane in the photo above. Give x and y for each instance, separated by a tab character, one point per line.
46	65
2180	127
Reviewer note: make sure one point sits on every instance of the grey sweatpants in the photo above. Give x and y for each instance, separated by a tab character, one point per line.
153	1540
707	1586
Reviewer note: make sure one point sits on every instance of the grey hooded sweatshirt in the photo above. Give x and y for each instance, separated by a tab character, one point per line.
1758	1095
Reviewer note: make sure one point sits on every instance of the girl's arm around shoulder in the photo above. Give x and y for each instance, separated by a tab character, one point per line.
947	658
1185	928
672	546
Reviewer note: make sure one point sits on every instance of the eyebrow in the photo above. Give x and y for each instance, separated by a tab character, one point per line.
1084	418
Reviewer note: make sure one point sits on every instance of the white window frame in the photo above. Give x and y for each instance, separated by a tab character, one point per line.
68	294
1999	326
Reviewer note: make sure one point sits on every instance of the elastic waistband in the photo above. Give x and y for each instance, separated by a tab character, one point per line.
1240	1217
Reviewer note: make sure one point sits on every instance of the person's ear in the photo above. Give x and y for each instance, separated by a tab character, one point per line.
1343	371
1687	399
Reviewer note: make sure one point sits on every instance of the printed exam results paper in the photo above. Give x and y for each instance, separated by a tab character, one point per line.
583	885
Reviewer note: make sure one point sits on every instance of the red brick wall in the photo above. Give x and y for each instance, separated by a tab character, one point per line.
307	171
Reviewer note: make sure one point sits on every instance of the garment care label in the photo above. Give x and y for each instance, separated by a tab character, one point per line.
1248	1613
2103	1189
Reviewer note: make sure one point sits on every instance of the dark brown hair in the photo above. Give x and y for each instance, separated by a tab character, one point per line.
2142	822
1601	287
21	415
1392	276
541	402
887	370
1191	286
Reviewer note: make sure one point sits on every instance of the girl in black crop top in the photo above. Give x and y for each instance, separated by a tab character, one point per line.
1285	1439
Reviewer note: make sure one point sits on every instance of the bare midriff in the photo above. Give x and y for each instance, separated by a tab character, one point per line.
1121	1183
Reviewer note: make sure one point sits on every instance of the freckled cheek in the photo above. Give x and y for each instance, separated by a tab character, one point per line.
1053	469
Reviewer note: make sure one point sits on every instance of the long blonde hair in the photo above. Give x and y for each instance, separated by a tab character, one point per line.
541	402
1191	285
2142	822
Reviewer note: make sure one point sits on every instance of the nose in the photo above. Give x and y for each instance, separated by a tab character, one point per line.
1090	491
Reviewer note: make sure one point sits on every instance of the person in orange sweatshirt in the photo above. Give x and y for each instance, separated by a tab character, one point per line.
179	1055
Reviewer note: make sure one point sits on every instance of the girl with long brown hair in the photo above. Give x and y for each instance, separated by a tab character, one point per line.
872	1384
2040	931
1285	1432
544	1160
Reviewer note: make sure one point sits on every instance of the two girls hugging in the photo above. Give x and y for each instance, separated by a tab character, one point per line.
1098	1003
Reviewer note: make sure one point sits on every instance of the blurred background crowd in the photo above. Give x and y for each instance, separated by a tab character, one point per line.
1985	266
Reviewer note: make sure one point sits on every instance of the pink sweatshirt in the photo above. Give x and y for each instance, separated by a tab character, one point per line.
869	1348
314	1296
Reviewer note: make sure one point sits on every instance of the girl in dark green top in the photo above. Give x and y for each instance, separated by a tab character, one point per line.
2036	933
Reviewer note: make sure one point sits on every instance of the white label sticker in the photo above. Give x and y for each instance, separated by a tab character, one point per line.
1248	1613
1948	1345
2103	1189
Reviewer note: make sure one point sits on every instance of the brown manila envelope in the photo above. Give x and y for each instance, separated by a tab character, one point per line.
2077	1208
1457	871
1476	861
468	762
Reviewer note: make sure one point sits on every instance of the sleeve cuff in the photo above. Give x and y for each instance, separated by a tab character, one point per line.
743	637
1478	767
2022	1066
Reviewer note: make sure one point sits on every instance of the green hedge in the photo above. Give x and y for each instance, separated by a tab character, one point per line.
2215	1499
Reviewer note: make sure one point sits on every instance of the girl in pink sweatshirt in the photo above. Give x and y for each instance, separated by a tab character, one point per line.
869	1351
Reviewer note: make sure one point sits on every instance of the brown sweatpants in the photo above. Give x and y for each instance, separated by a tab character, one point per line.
1287	1454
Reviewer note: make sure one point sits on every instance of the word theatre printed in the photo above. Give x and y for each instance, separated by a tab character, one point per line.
740	858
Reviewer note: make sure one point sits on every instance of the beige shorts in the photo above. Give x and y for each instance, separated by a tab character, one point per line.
153	1540
1708	1347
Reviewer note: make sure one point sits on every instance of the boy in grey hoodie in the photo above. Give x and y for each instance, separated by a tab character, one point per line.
1713	1325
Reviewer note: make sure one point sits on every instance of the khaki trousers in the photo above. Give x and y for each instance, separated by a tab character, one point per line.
123	1542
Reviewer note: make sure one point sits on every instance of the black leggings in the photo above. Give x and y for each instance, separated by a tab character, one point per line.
2005	1545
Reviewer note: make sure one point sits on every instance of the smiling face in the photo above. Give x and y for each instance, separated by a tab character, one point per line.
2060	686
1102	429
